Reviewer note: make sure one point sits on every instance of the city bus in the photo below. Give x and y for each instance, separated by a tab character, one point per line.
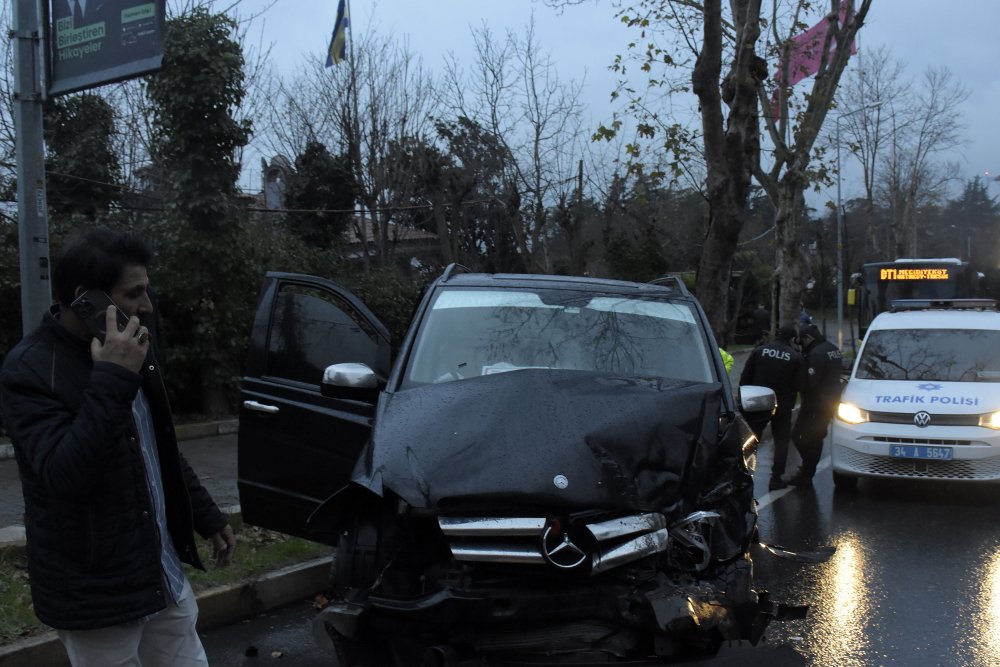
879	283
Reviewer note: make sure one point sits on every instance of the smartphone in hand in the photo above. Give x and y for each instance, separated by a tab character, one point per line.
92	308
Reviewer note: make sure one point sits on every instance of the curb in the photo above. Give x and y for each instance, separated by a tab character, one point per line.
216	607
182	431
206	429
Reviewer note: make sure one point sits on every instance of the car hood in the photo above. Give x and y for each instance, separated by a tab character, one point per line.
561	439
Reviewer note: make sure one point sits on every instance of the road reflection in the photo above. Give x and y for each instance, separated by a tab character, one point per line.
985	628
842	606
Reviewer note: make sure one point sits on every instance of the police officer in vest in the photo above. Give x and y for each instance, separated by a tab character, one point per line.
781	367
819	400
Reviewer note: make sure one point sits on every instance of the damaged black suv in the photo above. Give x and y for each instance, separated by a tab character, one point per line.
553	470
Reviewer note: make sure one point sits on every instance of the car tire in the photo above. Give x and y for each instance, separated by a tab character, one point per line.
736	579
844	482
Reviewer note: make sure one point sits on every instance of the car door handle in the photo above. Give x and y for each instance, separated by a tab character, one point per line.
260	407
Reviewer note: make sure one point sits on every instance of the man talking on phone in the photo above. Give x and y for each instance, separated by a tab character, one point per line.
111	506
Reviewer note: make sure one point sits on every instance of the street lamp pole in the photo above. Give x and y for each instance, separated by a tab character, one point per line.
840	227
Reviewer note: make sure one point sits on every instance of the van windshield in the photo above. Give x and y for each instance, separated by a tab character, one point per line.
473	332
946	355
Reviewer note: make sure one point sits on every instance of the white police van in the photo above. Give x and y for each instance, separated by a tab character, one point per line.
923	399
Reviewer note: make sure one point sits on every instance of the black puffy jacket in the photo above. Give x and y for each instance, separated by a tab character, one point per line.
776	365
92	543
822	390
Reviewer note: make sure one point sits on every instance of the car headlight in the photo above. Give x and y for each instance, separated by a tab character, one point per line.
851	414
991	420
750	453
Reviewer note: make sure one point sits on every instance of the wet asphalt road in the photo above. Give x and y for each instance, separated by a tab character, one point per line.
280	637
914	580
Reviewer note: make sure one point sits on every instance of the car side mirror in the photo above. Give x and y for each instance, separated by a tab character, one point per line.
351	381
757	400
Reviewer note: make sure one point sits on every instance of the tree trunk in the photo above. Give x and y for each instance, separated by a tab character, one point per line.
444	239
789	176
712	282
871	235
213	398
731	148
790	273
214	402
910	221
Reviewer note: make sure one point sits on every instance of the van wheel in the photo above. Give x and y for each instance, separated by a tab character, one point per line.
844	482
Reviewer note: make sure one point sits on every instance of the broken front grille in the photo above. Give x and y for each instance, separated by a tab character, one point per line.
597	545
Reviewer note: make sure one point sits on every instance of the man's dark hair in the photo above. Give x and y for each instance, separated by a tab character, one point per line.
95	259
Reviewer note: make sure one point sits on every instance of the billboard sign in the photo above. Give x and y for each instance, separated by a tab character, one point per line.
93	42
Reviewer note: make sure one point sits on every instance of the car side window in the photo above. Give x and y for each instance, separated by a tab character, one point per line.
312	328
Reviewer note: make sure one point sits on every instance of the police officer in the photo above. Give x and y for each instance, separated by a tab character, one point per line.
777	365
819	400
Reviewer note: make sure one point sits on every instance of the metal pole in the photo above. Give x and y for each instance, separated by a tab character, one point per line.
32	220
840	252
840	226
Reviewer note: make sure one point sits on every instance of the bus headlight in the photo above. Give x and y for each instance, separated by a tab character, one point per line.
851	414
991	420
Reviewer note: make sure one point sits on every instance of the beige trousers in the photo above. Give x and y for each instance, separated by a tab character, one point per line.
165	639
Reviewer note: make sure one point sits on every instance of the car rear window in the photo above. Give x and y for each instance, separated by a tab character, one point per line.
947	355
474	332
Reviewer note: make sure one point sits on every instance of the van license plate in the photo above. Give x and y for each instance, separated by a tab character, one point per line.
920	452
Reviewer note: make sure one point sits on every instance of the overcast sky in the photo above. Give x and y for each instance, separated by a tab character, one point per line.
583	40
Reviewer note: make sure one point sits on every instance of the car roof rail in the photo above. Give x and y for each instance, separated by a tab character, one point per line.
453	268
674	281
898	305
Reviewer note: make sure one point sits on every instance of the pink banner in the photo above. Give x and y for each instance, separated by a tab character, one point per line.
805	51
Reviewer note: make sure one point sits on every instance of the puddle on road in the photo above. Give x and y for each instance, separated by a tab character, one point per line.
840	612
984	632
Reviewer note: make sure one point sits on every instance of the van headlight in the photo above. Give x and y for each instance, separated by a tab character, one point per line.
851	414
991	420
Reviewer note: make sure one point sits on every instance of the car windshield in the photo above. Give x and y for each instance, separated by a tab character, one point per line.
952	355
473	332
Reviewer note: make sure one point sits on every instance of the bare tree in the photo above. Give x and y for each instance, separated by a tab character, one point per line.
862	106
895	129
7	156
380	98
923	125
512	89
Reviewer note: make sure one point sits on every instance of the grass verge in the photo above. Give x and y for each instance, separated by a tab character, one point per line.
257	552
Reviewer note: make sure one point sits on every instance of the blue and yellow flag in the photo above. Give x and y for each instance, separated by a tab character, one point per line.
338	43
